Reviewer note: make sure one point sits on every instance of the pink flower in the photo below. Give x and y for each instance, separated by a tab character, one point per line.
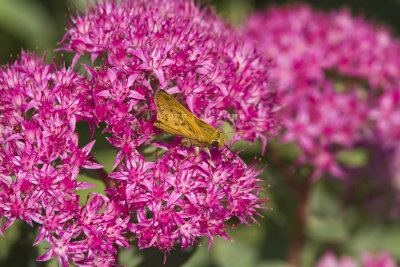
136	47
382	260
368	260
330	260
178	200
177	47
40	161
338	77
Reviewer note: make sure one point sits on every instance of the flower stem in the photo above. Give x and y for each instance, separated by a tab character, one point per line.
302	191
109	183
302	194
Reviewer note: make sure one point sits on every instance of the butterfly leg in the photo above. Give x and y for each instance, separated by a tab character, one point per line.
196	148
209	154
182	144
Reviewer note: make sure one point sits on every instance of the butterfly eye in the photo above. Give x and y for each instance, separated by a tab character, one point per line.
215	143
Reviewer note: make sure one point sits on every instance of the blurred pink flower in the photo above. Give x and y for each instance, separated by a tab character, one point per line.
381	260
330	260
367	259
378	197
338	76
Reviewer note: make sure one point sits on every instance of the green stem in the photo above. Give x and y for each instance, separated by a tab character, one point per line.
299	237
302	191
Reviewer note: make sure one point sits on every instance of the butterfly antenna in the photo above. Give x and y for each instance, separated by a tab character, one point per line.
234	155
234	132
228	148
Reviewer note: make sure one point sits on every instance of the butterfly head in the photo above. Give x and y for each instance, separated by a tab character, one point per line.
219	140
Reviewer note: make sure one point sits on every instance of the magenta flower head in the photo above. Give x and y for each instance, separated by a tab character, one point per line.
329	259
40	159
137	48
338	76
383	259
368	259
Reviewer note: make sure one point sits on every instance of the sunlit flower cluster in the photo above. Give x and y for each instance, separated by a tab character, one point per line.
177	47
136	48
144	46
338	76
40	160
178	200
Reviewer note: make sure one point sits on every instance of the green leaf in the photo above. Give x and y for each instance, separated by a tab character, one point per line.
288	152
353	158
232	254
377	237
201	257
322	201
272	263
326	222
106	158
327	229
29	22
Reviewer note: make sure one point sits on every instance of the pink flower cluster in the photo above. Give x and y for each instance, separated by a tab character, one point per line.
40	161
338	76
179	200
145	46
136	47
368	260
177	47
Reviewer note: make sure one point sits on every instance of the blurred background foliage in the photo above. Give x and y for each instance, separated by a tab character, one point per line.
336	222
